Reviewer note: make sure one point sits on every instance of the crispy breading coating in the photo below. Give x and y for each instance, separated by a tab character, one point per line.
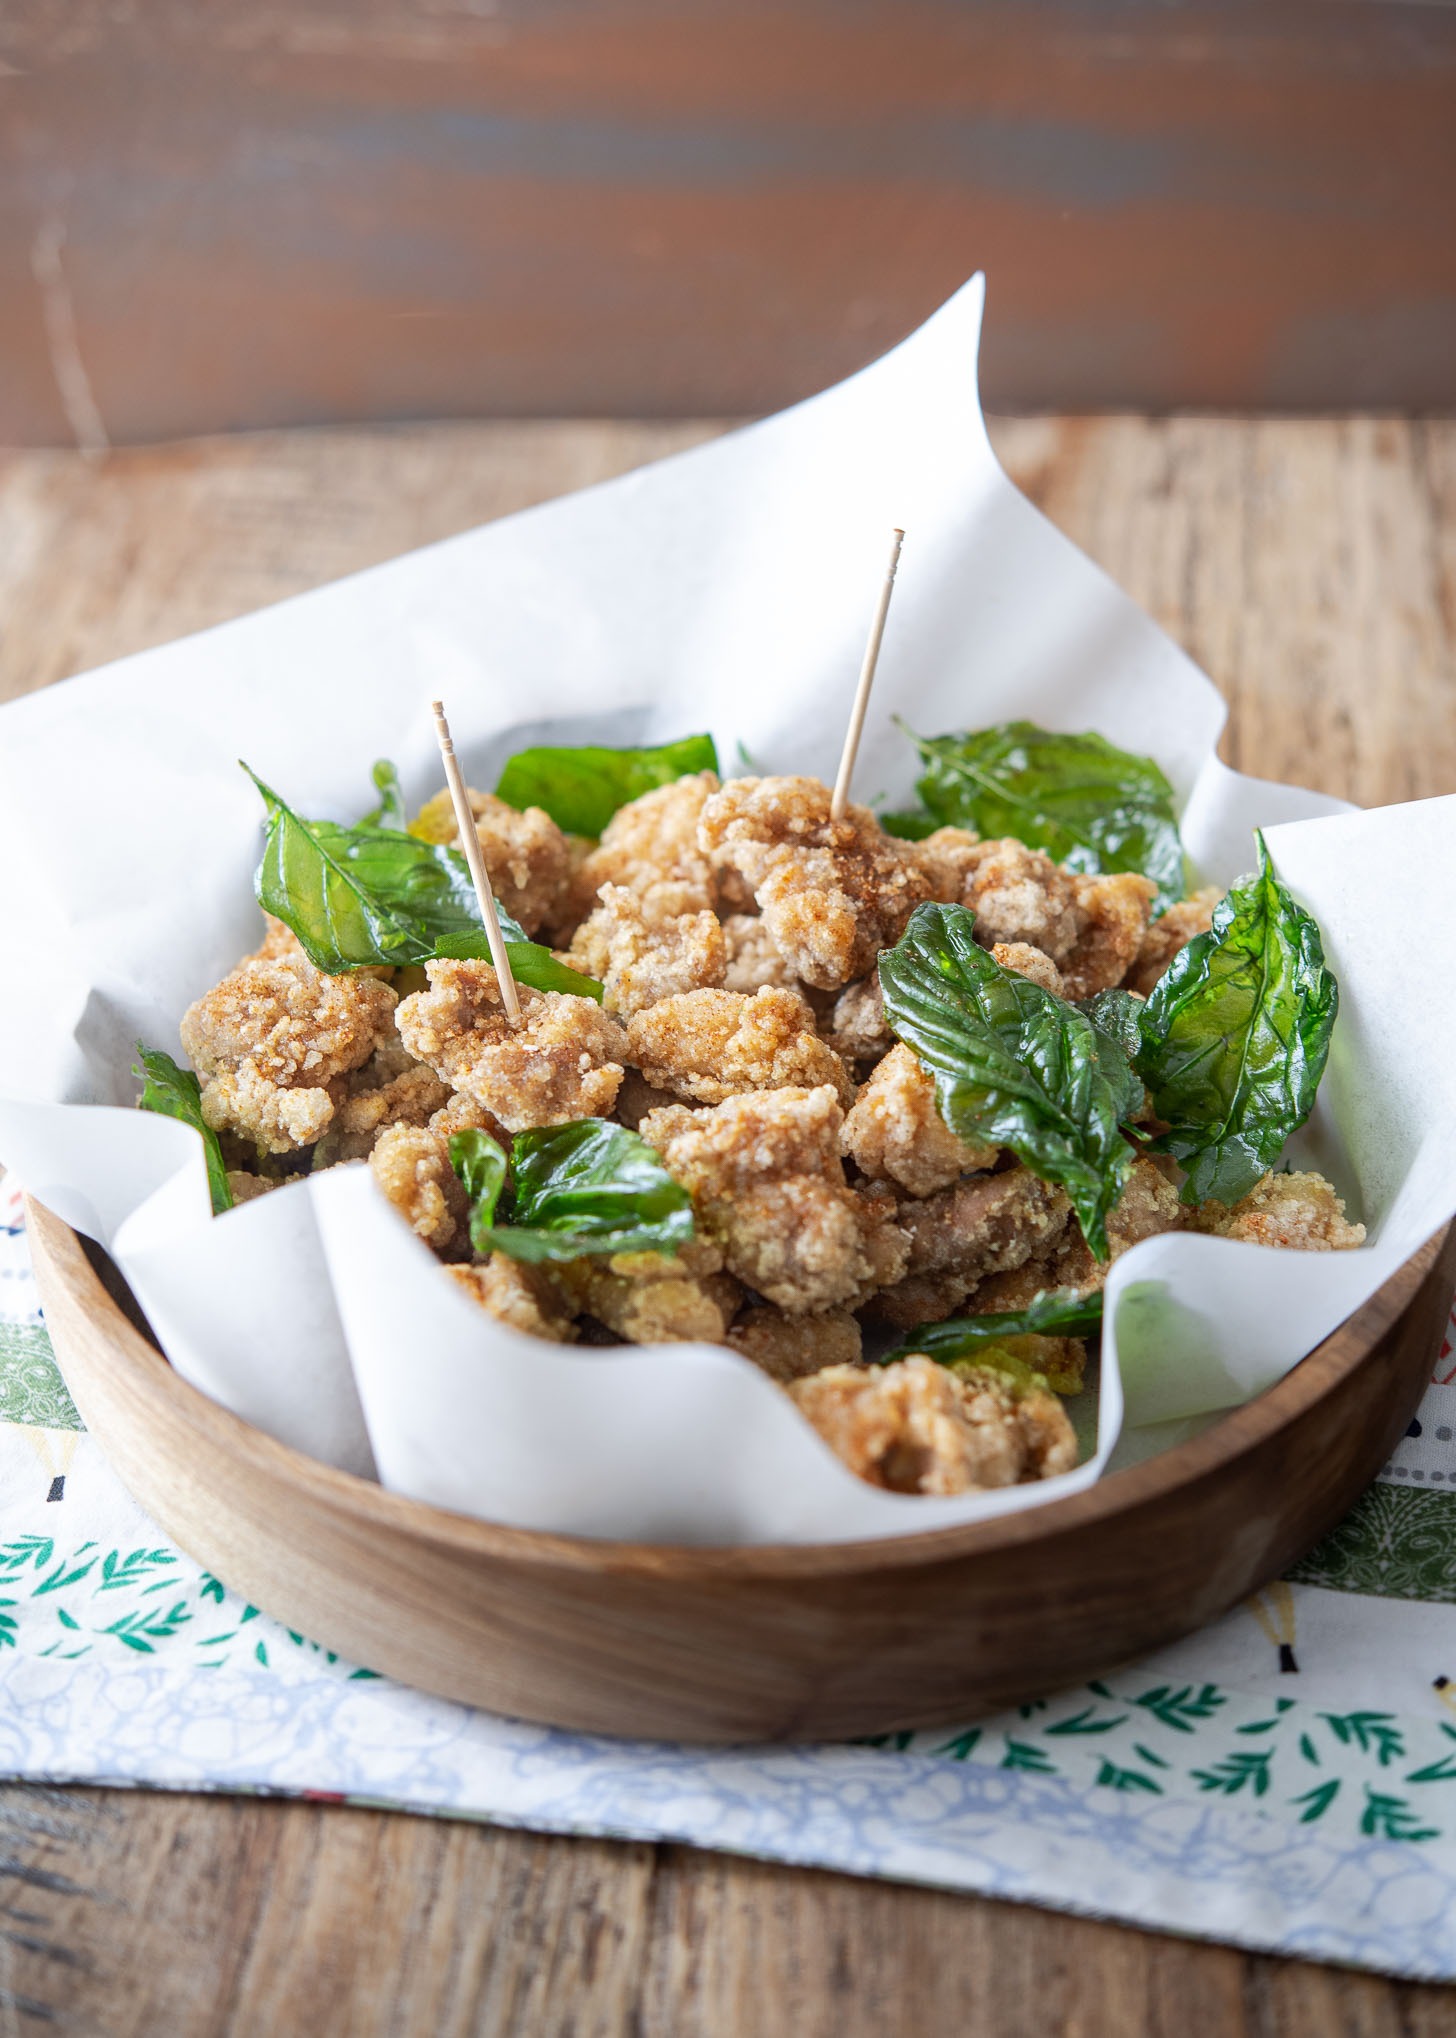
526	854
652	842
949	858
1020	895
1147	1206
916	1427
753	957
653	1298
271	1043
983	1225
1117	909
563	1061
641	956
247	1188
1167	934
518	1295
791	1347
392	1088
710	1045
637	1097
832	893
460	1113
895	1133
1030	962
411	1164
1299	1211
768	1188
858	1029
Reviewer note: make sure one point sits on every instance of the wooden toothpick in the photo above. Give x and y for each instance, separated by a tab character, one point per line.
866	680
470	843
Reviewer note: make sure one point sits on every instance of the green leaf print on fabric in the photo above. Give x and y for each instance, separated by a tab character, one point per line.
1182	1707
1236	1772
1391	1818
31	1388
1317	1802
1127	1779
1372	1732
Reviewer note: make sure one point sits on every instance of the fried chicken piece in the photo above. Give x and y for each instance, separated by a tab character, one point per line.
768	1189
1031	963
1300	1212
526	854
1020	895
949	858
271	1043
1147	1206
1116	909
651	847
521	1296
392	1088
1167	934
916	1427
411	1164
753	958
894	1132
637	1097
247	1188
641	959
858	1029
656	1298
791	1347
984	1225
710	1045
563	1061
832	893
460	1113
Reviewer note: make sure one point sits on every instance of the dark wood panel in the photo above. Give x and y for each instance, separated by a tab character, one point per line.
224	215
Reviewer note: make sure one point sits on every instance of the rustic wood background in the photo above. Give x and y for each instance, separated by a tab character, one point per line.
218	214
1311	567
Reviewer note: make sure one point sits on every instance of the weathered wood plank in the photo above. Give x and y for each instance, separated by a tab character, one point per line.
214	218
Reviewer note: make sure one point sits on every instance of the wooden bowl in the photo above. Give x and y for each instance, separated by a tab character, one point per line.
817	1642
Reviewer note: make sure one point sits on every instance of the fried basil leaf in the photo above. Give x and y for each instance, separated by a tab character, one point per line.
1013	1065
589	1187
1235	1036
1116	1018
390	811
176	1093
480	1162
582	788
1088	804
1055	1312
357	897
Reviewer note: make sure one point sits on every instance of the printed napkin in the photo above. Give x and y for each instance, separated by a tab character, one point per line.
1285	1780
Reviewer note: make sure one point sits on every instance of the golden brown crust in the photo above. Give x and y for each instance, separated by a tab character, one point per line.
653	842
753	957
518	1295
983	1225
1170	932
916	1427
711	1045
894	1132
526	854
1019	895
791	1347
832	893
411	1164
1116	909
1030	962
1300	1212
651	1298
859	1030
564	1061
641	956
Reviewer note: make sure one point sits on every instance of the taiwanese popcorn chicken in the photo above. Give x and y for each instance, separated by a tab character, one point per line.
651	846
518	1295
753	957
654	1298
1300	1212
832	893
859	1030
710	1045
1148	1205
641	959
895	1132
1167	934
791	1347
984	1224
412	1166
526	854
273	1043
565	1060
916	1427
768	1190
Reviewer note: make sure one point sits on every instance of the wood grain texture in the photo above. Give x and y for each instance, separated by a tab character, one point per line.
808	1642
1311	567
215	217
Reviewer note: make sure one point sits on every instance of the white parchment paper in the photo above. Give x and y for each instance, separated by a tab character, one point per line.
728	589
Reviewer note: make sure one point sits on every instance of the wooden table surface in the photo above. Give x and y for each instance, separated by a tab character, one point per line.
1311	568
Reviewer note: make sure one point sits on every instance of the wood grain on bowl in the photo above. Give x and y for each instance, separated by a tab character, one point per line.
809	1642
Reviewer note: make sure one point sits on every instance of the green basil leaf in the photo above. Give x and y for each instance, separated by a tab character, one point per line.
390	813
589	1187
357	897
1055	1312
1116	1019
531	964
176	1093
1236	1034
1088	804
1013	1065
910	827
582	788
480	1162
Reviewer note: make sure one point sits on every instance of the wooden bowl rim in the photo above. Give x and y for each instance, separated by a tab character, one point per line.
1347	1347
